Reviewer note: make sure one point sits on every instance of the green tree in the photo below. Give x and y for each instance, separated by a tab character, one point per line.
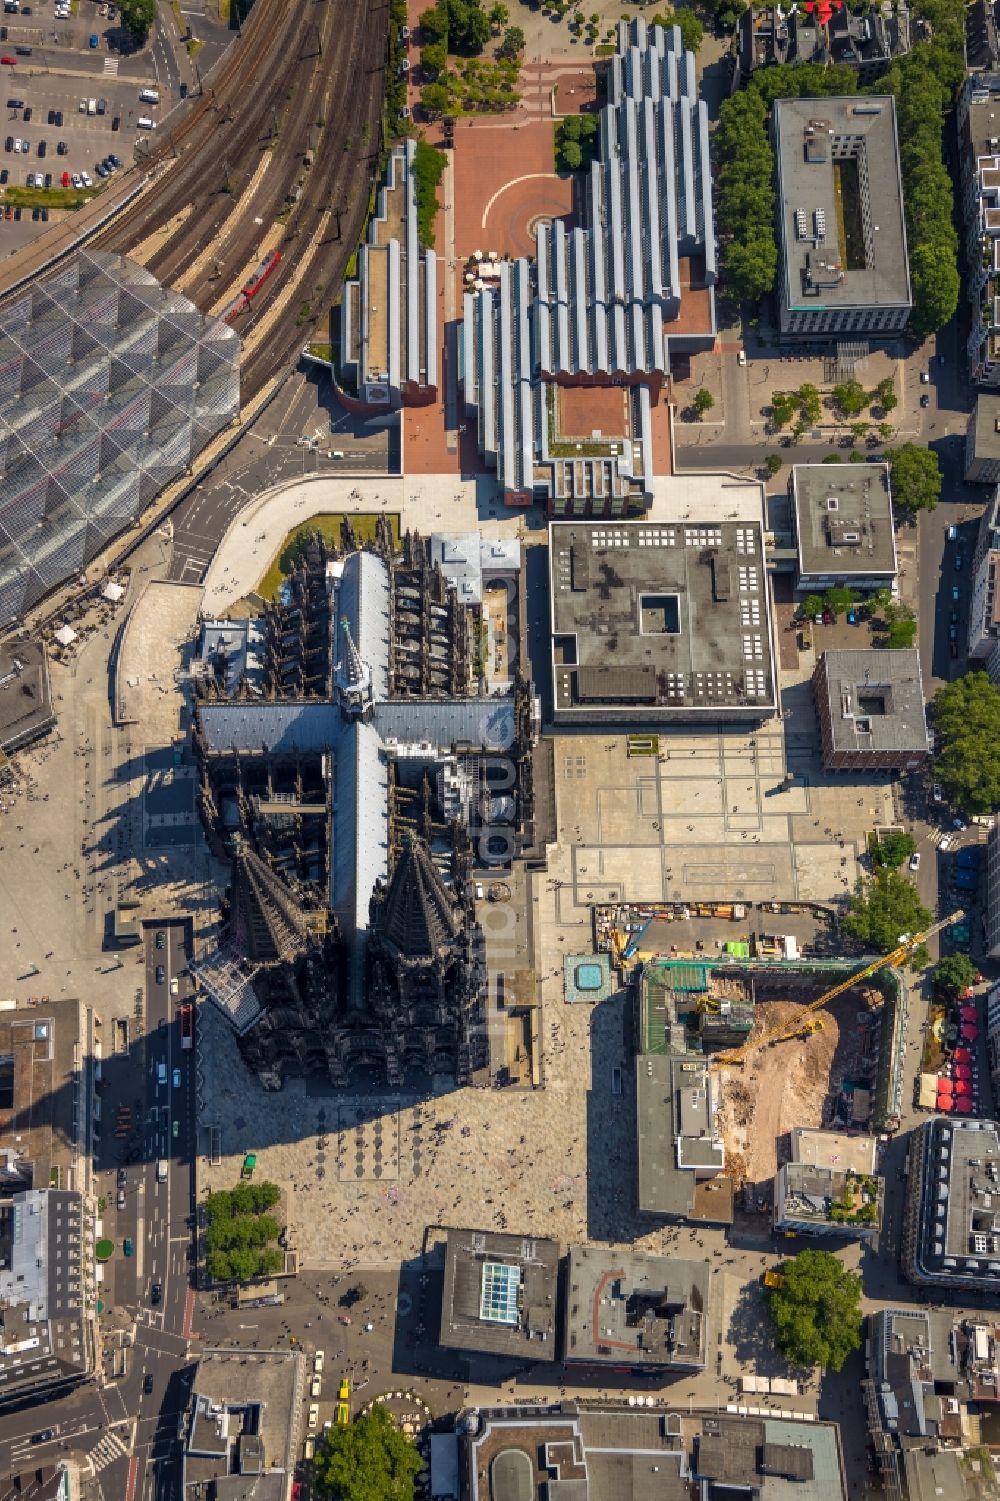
773	463
812	606
428	169
883	907
838	600
915	477
782	408
967	720
879	601
433	25
817	1310
434	59
137	17
572	156
703	401
369	1460
832	458
692	31
954	974
885	395
893	850
434	98
901	628
513	43
468	26
858	430
850	398
498	17
809	400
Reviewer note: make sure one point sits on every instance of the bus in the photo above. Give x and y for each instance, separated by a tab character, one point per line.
187	1026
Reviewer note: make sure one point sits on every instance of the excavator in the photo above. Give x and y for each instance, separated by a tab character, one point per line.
805	1024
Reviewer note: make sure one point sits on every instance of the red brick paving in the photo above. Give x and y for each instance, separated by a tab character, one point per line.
663	462
504	181
584	410
576	92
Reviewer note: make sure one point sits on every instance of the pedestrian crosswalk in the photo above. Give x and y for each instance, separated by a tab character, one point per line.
111	67
108	1448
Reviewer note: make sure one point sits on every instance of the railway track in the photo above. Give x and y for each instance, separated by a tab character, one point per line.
239	158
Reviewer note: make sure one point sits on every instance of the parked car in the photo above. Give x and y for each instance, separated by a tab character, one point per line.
177	1078
959	823
955	593
953	633
122	1177
128	1247
155	1293
915	860
958	562
925	401
160	974
93	41
936	792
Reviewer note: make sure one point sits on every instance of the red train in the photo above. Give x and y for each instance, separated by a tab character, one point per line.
252	286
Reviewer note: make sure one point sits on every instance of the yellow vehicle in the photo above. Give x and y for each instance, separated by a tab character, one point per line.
344	1403
773	1279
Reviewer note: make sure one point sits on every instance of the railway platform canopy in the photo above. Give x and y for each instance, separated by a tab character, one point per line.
110	385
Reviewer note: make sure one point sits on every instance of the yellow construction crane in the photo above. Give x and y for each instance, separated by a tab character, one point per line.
801	1028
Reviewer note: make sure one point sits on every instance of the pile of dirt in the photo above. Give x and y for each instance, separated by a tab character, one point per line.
780	1087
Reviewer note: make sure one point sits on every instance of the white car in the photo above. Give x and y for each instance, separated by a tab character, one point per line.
317	1386
174	983
936	792
915	861
313	1417
945	844
318	1360
741	357
77	180
18	143
88	181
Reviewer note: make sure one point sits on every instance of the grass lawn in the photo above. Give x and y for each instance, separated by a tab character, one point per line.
47	197
328	525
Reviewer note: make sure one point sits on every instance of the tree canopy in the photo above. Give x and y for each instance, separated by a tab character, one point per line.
891	851
967	718
137	17
237	1240
368	1460
953	974
817	1311
915	476
884	907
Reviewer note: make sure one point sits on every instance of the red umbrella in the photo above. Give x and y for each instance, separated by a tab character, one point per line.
969	1032
969	1013
944	1085
965	1106
963	1087
945	1102
963	1071
962	1055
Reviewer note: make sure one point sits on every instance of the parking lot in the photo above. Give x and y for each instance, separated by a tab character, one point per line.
71	95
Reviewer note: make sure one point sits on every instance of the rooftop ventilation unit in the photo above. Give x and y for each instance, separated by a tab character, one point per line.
832	503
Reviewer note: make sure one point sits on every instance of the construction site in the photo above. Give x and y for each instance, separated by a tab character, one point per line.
769	1043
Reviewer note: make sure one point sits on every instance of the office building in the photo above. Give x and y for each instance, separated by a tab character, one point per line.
499	1294
829	1186
951	1216
240	1429
842	237
389	312
844	532
26	712
982	439
617	1453
870	706
977	117
628	1312
659	622
605	305
47	1292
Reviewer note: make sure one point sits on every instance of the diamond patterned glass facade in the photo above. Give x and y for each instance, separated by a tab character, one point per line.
110	385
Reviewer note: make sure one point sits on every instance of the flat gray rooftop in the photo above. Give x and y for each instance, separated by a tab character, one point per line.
875	701
844	244
629	1309
843	519
965	1239
242	1426
25	702
499	1294
670	618
986	438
